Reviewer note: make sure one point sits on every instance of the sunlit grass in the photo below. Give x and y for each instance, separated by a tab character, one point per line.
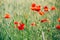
20	11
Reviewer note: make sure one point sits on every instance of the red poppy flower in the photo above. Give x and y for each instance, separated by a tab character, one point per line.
53	8
33	8
33	24
7	15
45	8
44	20
58	27
38	8
41	13
21	26
33	5
58	19
15	22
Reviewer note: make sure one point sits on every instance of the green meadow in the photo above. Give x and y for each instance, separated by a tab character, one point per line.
20	11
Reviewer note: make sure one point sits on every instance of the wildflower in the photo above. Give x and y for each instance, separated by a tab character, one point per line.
33	24
7	15
15	22
45	8
44	20
53	8
58	19
33	5
21	26
58	26
33	8
38	8
41	13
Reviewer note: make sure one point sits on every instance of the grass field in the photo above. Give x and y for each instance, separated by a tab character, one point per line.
20	11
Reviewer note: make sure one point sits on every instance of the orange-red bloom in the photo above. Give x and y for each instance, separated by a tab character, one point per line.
45	8
15	22
58	19
58	26
44	20
41	13
7	15
33	5
33	8
38	8
21	26
53	8
33	24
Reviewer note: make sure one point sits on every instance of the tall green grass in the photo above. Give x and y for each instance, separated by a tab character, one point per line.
18	10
